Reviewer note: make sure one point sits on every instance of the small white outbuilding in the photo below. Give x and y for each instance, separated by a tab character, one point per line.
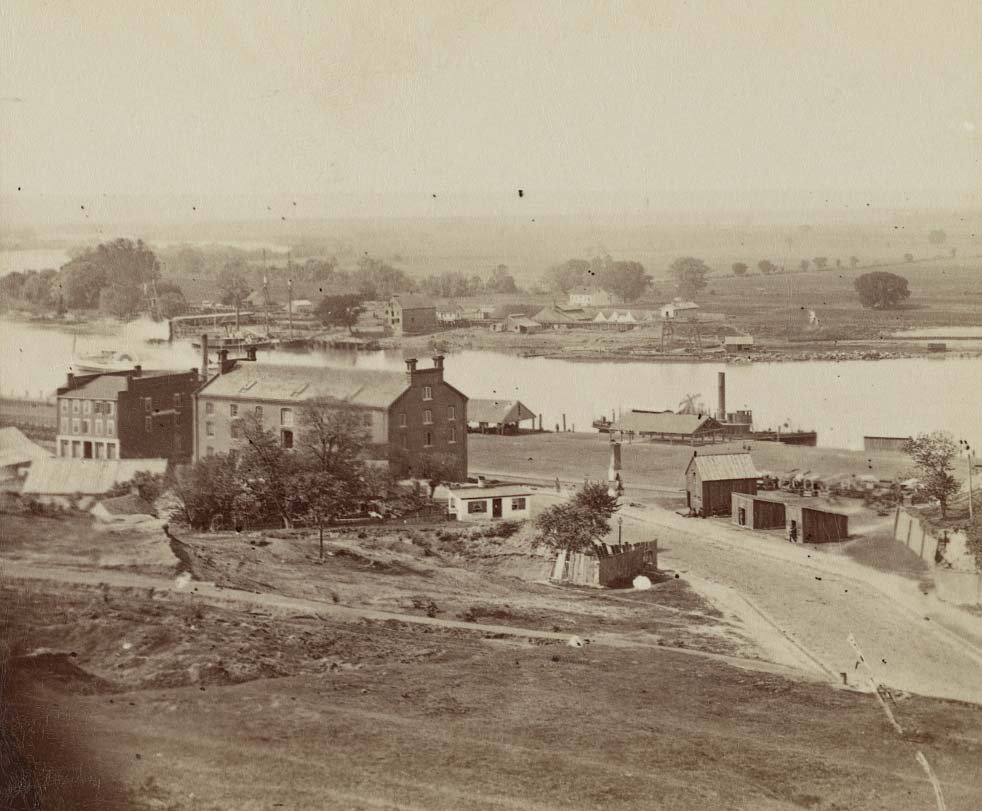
512	502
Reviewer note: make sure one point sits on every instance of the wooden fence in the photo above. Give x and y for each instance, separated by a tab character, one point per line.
960	587
612	564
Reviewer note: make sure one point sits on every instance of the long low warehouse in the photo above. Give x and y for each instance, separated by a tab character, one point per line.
803	521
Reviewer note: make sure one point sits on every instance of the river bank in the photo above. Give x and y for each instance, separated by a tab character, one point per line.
645	345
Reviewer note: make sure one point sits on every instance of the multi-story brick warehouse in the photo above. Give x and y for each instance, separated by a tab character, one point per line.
133	414
411	414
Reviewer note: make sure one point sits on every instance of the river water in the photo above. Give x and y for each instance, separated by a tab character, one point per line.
843	401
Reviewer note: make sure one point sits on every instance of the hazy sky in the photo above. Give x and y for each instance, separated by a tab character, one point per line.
313	96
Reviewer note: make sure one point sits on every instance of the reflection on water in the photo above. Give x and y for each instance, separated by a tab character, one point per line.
843	401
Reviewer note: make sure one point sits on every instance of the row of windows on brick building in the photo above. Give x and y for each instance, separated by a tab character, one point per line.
428	417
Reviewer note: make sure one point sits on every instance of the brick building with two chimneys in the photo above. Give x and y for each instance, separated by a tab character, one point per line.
408	415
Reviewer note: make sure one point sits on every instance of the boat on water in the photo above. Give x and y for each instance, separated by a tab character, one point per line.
105	360
237	342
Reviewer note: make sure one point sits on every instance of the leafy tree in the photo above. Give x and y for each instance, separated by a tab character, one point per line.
881	290
690	275
740	268
767	267
563	278
122	265
934	458
340	311
577	525
821	262
501	280
170	299
268	473
12	285
937	237
148	486
625	279
119	300
208	491
804	265
436	469
377	280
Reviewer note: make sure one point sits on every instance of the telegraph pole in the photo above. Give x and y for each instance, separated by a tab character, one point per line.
970	454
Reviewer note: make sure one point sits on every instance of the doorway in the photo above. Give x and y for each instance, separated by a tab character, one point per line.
86	450
793	531
742	516
496	508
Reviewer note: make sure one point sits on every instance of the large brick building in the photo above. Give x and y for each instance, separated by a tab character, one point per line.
407	415
132	414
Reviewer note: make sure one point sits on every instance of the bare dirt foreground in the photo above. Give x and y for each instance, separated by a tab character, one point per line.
414	671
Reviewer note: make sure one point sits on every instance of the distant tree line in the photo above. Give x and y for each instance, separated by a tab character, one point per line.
454	284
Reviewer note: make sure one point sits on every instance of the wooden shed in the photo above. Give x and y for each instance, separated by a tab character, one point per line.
712	479
814	525
755	512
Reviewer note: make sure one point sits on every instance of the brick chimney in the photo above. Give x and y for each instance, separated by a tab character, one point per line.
250	353
438	364
224	364
204	355
410	369
137	370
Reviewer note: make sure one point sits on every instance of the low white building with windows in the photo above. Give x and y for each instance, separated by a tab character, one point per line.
512	502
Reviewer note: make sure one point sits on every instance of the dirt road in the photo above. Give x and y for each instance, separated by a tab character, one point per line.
818	600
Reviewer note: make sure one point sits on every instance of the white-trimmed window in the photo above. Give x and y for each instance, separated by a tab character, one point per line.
402	421
427	392
233	410
148	404
429	439
517	504
110	408
209	409
451	413
99	426
259	413
209	429
76	406
110	427
86	406
366	419
76	425
235	429
453	434
110	451
209	451
64	406
477	507
286	416
427	417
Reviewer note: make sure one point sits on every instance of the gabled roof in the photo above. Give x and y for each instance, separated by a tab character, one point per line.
523	320
414	302
17	449
249	380
65	477
558	314
719	467
663	422
104	387
497	412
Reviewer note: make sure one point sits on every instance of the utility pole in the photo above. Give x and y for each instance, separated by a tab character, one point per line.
970	454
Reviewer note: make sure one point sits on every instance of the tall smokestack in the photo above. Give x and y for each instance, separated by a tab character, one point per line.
721	416
204	356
